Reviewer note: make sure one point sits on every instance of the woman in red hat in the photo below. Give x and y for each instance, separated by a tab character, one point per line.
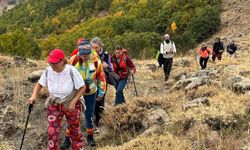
65	86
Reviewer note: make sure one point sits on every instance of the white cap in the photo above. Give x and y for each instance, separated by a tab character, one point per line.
166	36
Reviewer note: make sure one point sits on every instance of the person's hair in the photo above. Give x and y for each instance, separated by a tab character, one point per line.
218	38
97	40
65	61
118	47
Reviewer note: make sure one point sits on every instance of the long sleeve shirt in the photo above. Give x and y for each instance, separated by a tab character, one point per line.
105	57
92	74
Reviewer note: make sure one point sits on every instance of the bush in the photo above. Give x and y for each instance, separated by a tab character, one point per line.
18	43
139	45
205	23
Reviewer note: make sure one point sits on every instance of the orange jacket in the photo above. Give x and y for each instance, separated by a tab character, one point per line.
204	53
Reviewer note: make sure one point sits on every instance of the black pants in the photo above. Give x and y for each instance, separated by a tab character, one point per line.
99	108
203	62
167	65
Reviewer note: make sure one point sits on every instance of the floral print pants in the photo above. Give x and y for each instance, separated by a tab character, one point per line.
55	116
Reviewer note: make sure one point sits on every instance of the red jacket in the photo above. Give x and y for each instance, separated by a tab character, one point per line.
122	68
204	53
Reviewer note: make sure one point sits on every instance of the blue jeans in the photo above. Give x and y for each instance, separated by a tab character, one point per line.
90	101
119	99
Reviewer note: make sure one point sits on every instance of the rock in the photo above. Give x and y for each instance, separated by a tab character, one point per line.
150	131
152	67
213	74
197	81
158	116
6	96
212	139
196	103
238	84
35	76
8	129
185	63
9	115
178	74
19	60
202	73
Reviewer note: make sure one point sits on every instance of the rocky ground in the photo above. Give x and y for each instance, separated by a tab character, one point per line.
195	109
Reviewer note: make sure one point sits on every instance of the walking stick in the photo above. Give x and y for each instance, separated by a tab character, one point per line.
195	55
26	124
134	85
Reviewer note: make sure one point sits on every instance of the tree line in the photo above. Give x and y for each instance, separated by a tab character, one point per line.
37	26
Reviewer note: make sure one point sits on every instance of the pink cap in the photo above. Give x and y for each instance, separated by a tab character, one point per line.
55	56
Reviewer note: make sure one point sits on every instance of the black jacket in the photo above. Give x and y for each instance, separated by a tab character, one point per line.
231	48
217	47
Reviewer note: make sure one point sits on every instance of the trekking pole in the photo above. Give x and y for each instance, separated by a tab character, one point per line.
26	123
196	60
134	84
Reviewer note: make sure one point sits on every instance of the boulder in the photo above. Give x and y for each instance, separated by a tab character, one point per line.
35	76
238	84
155	116
152	67
196	103
6	95
197	81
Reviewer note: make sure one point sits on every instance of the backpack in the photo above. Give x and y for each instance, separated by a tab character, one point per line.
159	58
111	77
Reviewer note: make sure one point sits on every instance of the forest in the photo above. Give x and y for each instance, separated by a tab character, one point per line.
34	27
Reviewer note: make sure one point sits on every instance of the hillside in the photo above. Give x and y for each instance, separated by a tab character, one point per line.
39	25
195	110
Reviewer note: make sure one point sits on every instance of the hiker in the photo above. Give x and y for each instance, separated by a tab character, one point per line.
65	86
91	70
78	43
167	49
218	49
204	53
231	48
123	66
98	45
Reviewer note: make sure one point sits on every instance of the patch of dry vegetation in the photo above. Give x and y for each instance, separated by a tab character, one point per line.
154	142
5	146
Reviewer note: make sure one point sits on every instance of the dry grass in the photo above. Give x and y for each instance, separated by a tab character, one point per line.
4	145
155	142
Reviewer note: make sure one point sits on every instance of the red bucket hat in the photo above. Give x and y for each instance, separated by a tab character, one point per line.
55	56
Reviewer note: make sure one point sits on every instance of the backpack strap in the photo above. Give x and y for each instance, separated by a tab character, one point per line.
76	59
96	64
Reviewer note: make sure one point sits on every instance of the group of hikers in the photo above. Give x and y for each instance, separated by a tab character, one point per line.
79	85
218	48
167	50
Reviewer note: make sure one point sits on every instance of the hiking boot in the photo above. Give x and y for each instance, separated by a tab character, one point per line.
66	144
166	78
91	141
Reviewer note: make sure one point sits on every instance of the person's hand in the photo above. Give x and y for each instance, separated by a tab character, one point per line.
132	71
31	100
104	65
170	50
98	98
72	106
